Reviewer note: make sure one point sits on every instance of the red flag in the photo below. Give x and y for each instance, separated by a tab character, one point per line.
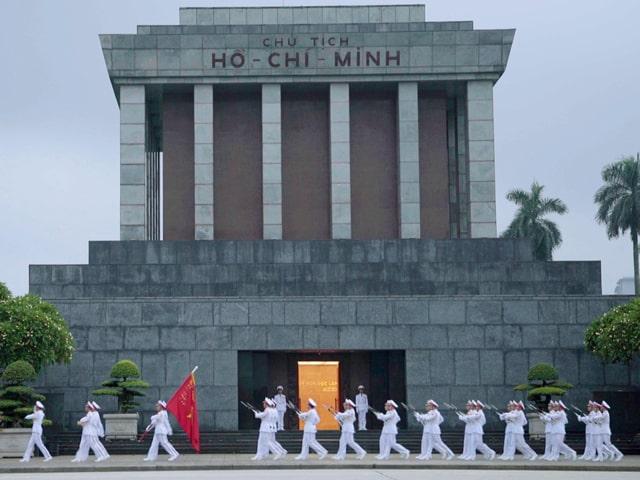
184	407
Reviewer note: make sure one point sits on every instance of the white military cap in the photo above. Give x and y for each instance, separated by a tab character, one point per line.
39	404
605	405
590	402
521	404
469	402
162	403
479	403
312	402
90	405
433	402
269	402
95	406
392	403
279	387
562	404
350	402
360	387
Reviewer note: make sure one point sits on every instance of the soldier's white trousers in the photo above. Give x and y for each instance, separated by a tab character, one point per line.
606	440
547	446
275	446
558	447
432	441
88	442
513	442
387	443
346	439
280	421
35	440
309	442
362	419
473	442
589	448
160	439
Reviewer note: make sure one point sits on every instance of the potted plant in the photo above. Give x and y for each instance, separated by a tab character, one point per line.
543	383
16	401
125	384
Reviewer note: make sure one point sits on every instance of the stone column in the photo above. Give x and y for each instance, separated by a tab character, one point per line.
271	162
203	157
340	161
133	173
408	160
482	183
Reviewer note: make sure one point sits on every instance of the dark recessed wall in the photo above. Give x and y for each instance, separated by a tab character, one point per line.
374	162
237	161
434	168
306	182
177	175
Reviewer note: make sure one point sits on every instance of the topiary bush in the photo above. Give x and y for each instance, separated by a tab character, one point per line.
543	383
17	399
615	336
32	330
125	384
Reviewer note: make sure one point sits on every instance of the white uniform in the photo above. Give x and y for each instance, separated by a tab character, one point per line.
546	419
267	435
362	407
281	407
161	431
89	439
473	432
100	450
36	436
589	440
606	437
431	435
310	419
388	435
558	422
346	420
514	436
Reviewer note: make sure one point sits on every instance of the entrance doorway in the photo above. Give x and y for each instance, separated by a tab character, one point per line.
320	381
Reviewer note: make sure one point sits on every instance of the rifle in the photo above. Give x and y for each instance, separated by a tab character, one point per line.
450	406
373	410
293	407
408	407
577	409
333	412
248	406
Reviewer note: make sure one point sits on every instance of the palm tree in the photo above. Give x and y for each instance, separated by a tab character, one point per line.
529	220
619	203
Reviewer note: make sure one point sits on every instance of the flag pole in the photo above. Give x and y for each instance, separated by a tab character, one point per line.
194	370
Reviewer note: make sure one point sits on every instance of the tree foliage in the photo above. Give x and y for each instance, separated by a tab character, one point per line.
17	399
32	330
125	384
619	204
529	221
615	336
543	383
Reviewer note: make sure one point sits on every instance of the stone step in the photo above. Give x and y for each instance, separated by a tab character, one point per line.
308	251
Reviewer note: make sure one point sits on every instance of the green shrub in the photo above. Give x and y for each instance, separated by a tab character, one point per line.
32	330
125	384
17	399
543	383
615	336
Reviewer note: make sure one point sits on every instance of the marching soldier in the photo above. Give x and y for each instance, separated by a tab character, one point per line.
471	429
362	407
590	426
514	432
280	400
101	451
346	420
89	438
606	432
431	432
37	417
548	440
389	432
558	419
310	419
480	445
161	430
267	433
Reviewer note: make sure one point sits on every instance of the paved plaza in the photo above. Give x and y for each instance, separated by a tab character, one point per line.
372	474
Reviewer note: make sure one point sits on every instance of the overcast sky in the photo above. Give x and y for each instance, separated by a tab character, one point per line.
568	104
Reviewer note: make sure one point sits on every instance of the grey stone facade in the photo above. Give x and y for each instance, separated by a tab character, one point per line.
457	345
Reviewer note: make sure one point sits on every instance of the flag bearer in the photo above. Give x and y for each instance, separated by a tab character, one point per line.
161	430
389	432
37	417
310	419
362	407
346	420
280	400
431	432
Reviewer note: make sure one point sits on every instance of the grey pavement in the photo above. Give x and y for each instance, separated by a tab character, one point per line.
374	474
225	464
